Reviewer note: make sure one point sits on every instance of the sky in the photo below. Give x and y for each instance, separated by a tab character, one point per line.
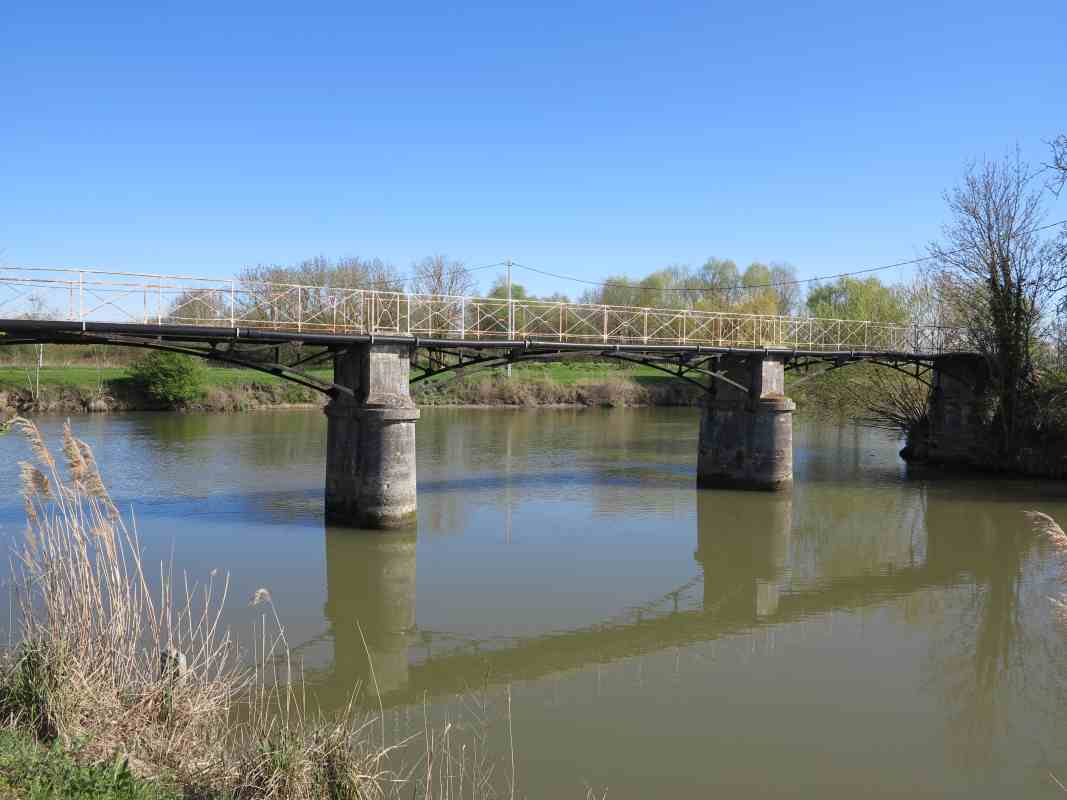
588	139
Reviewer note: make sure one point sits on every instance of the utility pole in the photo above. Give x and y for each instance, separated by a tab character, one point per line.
511	311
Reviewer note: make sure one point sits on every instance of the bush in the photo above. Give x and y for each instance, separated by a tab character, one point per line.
170	378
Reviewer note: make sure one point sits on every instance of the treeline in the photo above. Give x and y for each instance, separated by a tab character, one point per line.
717	285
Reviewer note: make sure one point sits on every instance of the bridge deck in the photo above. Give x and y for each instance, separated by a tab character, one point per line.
211	309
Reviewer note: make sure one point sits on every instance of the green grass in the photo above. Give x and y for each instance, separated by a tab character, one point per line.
570	372
79	387
32	772
78	377
89	378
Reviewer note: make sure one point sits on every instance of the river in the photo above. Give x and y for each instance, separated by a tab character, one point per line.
872	631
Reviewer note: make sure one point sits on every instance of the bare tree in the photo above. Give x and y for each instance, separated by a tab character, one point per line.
1059	181
1059	162
309	289
998	277
890	401
438	275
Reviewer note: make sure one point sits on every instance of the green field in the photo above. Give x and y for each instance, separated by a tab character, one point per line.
88	379
567	373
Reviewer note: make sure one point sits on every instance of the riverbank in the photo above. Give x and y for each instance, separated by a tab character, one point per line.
30	770
89	390
78	390
81	389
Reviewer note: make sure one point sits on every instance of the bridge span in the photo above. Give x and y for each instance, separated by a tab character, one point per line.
382	341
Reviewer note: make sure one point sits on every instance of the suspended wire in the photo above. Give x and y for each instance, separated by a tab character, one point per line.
397	281
772	285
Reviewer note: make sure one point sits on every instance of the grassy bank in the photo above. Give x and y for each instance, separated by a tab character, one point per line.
569	384
122	684
30	770
83	389
80	389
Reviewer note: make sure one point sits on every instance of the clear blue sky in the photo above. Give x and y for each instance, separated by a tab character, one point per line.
588	138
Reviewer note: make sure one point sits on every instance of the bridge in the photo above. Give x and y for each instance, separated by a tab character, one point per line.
382	341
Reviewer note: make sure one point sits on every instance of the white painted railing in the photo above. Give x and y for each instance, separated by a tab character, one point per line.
123	297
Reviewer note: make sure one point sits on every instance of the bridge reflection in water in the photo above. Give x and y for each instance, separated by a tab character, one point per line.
754	569
867	628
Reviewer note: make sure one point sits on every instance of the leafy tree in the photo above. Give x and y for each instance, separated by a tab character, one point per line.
854	298
499	290
720	279
617	290
170	378
759	295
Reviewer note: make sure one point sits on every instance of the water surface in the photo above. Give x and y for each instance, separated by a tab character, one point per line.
871	631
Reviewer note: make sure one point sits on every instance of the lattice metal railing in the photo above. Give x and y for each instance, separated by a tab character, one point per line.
92	295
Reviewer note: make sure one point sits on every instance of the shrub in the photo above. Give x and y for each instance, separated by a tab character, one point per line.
170	378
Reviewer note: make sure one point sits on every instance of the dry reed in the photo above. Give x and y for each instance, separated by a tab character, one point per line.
120	664
1047	526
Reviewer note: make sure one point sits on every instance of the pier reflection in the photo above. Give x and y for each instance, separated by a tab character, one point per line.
743	544
370	597
744	552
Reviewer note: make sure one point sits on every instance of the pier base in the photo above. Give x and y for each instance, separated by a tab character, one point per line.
370	440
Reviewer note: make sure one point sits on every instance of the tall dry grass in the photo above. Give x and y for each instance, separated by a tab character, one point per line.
88	666
120	664
1048	527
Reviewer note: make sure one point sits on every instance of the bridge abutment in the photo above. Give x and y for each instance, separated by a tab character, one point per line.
746	438
370	439
955	431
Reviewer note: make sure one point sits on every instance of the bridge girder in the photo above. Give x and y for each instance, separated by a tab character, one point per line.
435	361
213	352
917	368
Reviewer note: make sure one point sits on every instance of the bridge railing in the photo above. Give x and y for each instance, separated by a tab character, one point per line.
93	295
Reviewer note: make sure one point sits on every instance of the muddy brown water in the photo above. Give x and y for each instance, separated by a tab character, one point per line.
873	631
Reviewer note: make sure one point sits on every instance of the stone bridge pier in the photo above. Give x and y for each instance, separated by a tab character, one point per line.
955	431
370	439
746	434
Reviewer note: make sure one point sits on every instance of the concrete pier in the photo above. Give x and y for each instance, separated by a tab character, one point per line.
370	440
746	439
